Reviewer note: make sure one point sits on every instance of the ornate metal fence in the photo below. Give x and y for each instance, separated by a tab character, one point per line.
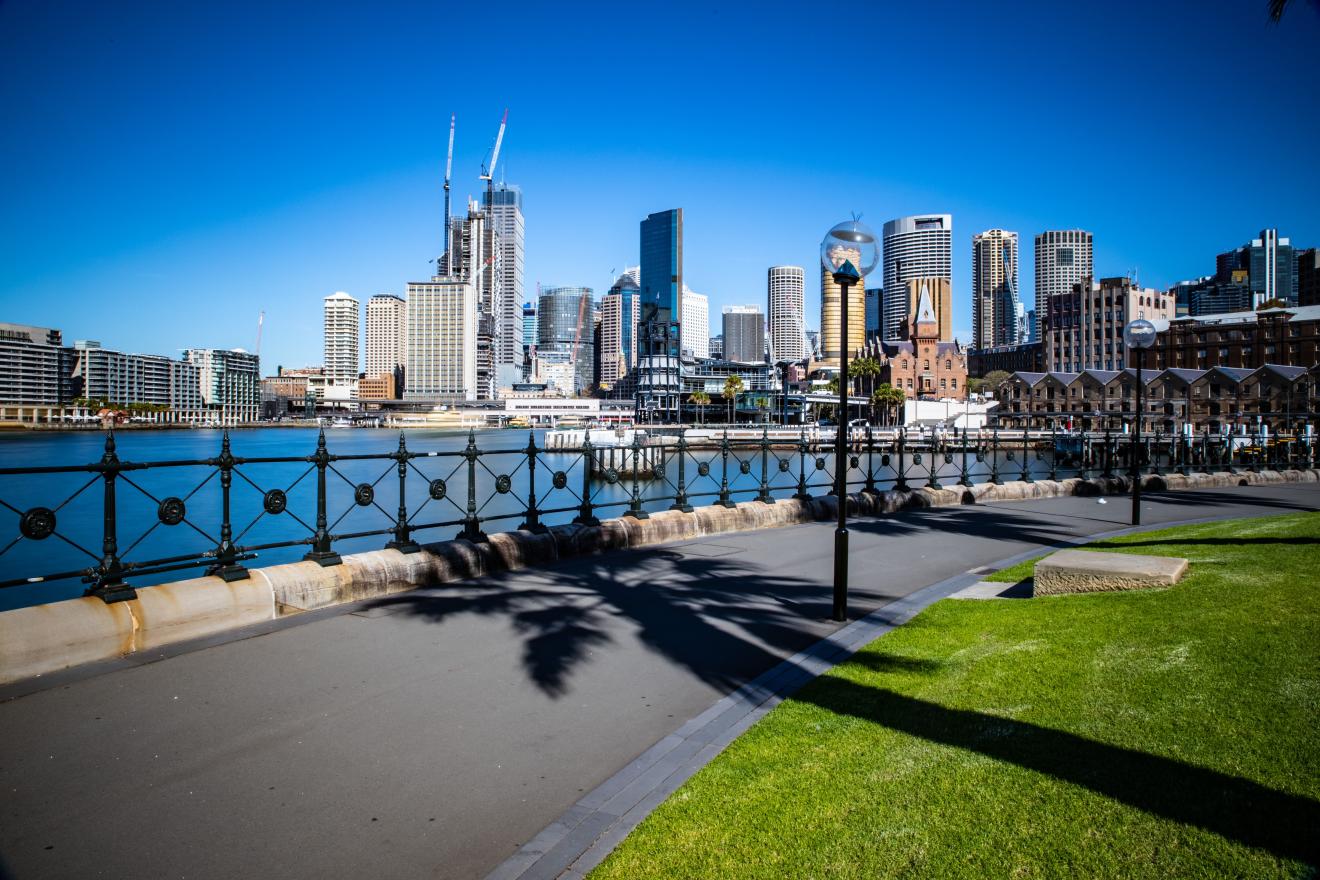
215	514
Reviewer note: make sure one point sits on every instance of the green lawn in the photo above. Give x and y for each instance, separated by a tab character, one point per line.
1143	734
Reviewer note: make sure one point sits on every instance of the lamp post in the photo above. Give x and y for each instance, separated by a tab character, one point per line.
1138	336
849	252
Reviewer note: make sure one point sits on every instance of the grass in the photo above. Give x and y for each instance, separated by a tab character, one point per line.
1142	734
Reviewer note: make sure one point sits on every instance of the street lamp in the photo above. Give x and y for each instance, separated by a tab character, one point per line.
1138	336
849	252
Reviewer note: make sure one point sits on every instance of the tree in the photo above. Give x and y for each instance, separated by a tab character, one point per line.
1275	303
763	404
887	398
990	382
701	400
868	368
733	386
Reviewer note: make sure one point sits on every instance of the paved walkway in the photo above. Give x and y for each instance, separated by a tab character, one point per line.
433	733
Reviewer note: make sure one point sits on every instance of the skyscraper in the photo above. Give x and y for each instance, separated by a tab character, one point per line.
786	308
829	314
914	247
694	327
475	257
1308	277
997	314
1063	258
661	282
387	334
744	334
341	344
564	329
1269	264
1084	328
940	293
619	312
442	339
504	214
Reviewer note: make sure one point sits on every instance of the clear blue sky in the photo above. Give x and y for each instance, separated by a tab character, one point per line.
169	169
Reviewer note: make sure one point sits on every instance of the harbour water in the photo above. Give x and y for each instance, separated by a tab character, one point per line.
436	489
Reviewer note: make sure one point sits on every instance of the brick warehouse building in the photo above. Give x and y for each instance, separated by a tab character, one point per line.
924	367
1248	340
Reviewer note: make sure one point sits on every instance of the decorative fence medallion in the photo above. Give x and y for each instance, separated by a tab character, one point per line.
854	461
784	465
744	467
503	484
275	501
820	464
916	458
884	461
38	523
611	476
437	490
171	511
559	480
1009	455
948	458
364	494
703	469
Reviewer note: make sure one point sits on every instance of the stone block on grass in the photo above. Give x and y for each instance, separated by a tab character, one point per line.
1088	571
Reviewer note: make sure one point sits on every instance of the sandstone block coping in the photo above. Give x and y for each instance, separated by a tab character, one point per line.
1090	571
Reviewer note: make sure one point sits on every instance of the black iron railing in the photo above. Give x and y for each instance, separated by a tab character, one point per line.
224	511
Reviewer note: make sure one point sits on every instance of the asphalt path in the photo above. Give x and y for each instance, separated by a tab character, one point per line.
432	733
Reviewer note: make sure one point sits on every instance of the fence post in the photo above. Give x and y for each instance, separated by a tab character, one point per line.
965	478
1107	462
586	515
1084	448
532	523
724	500
900	483
764	495
994	455
1054	452
1026	455
802	494
107	583
934	480
870	463
226	563
471	523
403	541
321	551
681	499
1157	469
635	506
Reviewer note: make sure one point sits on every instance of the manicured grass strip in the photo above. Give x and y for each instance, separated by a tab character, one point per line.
1143	734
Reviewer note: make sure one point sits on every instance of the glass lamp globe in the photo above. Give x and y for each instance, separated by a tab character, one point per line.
1139	334
850	243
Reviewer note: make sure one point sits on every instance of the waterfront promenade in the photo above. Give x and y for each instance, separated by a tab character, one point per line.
433	733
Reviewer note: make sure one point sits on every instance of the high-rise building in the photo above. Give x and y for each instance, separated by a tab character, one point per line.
786	309
744	334
1269	264
694	327
874	309
34	366
118	379
475	256
1064	257
564	329
830	316
914	247
619	312
660	278
996	309
1084	329
503	208
528	326
1308	277
342	319
387	336
229	382
442	339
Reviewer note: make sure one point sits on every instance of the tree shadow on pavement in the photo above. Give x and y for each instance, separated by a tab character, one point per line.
1234	808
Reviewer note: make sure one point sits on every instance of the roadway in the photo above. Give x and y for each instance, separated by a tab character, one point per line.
430	734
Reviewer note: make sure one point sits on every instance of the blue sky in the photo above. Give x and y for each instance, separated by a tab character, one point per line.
171	169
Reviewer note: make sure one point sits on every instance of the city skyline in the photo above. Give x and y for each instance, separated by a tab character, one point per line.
276	226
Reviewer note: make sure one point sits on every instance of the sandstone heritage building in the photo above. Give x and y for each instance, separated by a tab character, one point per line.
925	367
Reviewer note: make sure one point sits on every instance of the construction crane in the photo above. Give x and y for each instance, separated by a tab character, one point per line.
449	168
488	174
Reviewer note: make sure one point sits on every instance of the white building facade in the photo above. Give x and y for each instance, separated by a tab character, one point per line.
441	345
694	328
1064	257
342	319
387	334
920	246
786	313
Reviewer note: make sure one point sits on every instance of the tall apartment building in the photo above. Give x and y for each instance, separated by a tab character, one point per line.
442	339
476	256
387	336
1269	264
694	328
660	278
620	310
120	379
1084	328
34	366
830	316
342	319
503	206
744	334
940	293
786	311
229	382
1308	277
564	330
997	313
1064	257
914	247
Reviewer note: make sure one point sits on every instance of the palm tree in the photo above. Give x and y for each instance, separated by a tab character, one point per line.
867	367
887	398
702	400
733	386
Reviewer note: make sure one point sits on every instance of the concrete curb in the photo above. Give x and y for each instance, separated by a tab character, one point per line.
47	638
